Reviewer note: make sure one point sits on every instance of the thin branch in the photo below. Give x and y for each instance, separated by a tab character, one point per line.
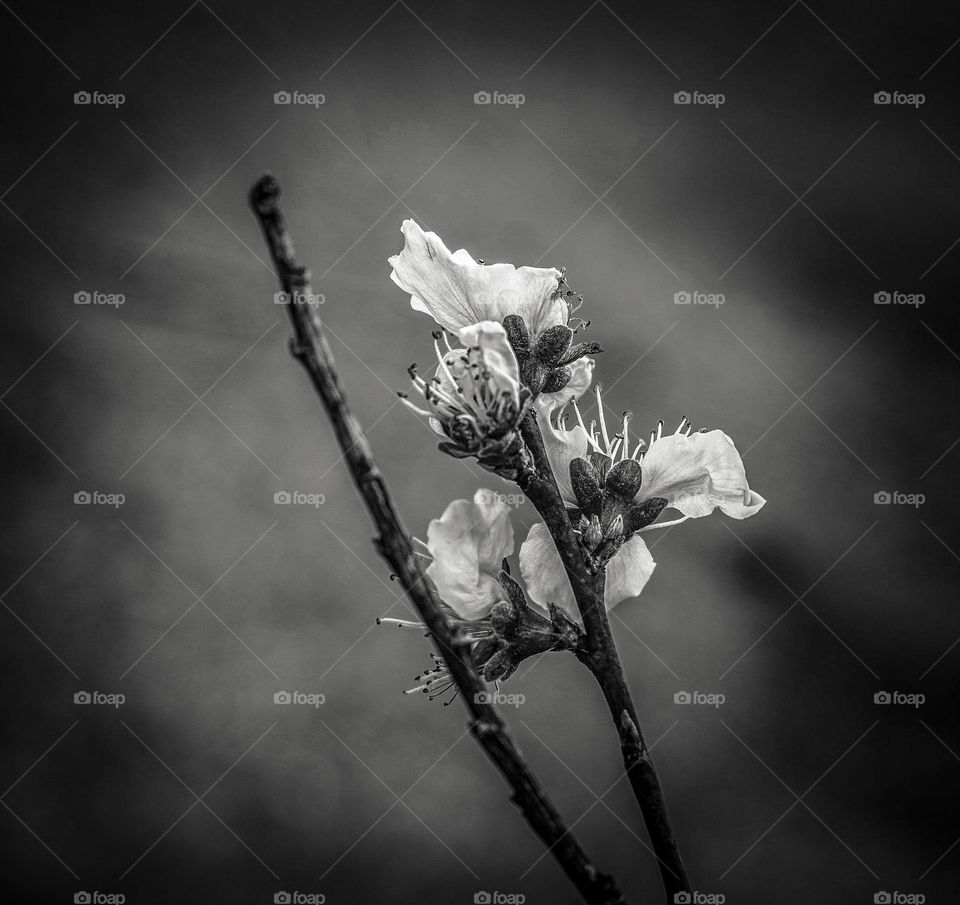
602	659
311	348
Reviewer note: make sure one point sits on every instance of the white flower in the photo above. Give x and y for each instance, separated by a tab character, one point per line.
694	472
468	544
457	291
474	399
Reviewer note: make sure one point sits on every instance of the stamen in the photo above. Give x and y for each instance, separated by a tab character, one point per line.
603	421
443	364
400	623
412	407
676	521
590	435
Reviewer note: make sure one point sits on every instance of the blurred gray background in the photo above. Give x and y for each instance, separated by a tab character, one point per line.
798	199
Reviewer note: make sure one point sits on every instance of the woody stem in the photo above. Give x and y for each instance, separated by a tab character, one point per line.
600	656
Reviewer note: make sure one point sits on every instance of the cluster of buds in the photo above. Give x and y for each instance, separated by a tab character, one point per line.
520	631
545	359
606	485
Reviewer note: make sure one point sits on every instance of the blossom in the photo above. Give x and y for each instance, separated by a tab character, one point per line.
475	400
468	544
534	304
618	488
458	291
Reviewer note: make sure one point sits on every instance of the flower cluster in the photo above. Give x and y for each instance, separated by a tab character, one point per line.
615	494
516	359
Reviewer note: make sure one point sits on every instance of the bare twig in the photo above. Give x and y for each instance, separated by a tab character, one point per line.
600	655
311	348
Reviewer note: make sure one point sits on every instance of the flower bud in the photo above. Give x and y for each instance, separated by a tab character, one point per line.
553	345
586	486
623	479
517	334
614	529
505	617
593	535
556	380
637	517
515	603
579	350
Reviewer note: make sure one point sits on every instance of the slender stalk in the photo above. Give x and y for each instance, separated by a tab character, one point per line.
599	654
487	726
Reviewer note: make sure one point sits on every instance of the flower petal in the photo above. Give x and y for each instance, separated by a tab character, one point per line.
628	572
496	354
697	474
457	291
543	573
562	445
493	529
468	543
